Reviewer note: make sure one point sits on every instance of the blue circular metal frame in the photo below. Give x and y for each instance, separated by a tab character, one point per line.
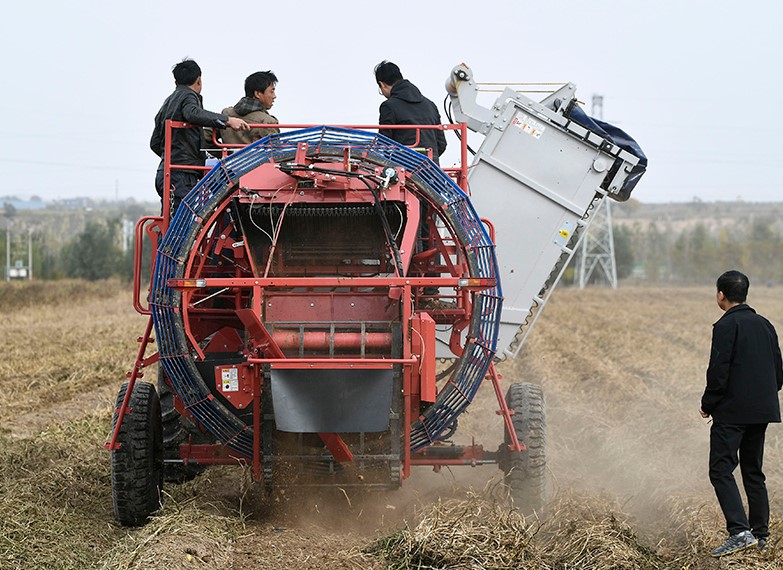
176	246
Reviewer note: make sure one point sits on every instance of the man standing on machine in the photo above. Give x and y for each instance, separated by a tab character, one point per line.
185	104
405	105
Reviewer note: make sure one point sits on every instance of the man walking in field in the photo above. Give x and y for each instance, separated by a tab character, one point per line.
744	376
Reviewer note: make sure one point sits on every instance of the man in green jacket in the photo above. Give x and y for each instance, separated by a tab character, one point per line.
253	108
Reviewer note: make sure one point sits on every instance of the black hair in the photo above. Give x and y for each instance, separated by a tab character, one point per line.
387	72
734	285
186	72
259	81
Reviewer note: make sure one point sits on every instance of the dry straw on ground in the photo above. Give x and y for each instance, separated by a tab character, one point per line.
483	532
55	499
700	527
592	532
622	372
479	532
579	532
182	536
67	347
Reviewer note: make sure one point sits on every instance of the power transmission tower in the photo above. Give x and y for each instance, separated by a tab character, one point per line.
595	256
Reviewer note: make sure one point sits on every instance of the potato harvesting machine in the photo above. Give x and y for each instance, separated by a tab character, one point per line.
326	302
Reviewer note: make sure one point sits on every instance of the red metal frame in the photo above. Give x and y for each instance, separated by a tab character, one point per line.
146	225
418	383
141	363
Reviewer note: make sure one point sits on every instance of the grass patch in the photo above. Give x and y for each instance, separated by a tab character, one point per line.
57	512
20	295
183	535
56	497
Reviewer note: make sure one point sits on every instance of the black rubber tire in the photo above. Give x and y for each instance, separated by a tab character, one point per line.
175	431
137	465
526	471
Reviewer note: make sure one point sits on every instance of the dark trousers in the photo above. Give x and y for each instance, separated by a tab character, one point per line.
182	182
743	445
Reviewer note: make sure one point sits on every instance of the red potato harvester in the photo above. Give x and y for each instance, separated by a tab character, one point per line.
304	291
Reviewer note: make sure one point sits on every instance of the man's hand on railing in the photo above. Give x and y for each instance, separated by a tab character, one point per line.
237	124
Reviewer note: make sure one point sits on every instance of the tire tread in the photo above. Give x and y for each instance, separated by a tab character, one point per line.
526	471
137	465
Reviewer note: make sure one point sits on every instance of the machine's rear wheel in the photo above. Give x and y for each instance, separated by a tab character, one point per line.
176	430
526	473
137	465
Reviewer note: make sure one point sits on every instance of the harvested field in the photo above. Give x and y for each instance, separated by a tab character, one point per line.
622	372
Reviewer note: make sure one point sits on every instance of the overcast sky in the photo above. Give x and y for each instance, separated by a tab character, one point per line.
695	82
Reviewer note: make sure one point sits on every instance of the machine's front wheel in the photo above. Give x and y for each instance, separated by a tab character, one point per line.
526	471
137	464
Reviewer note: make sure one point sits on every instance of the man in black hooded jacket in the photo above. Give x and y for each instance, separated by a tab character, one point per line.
405	105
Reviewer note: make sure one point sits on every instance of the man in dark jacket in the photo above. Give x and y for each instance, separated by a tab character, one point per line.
405	105
744	376
185	104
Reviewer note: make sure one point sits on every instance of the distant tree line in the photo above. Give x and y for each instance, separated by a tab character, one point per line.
644	251
96	253
700	252
93	254
697	253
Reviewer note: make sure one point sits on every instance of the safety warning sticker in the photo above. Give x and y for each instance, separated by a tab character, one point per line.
230	379
529	125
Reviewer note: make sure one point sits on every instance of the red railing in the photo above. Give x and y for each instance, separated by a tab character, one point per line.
459	173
